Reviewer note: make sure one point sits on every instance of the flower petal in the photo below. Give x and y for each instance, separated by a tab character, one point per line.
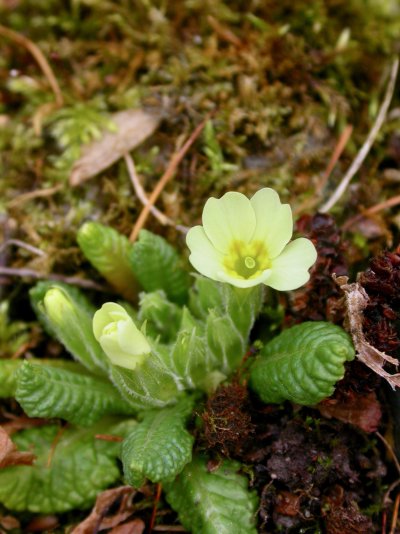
290	269
204	257
227	218
109	312
274	225
241	282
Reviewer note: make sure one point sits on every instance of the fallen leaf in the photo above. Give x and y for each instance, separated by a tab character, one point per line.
41	523
9	455
132	527
363	411
133	127
97	519
356	300
287	504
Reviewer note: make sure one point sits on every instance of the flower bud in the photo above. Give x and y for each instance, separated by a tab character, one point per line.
119	337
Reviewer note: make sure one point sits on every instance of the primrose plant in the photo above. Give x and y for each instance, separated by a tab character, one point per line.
140	370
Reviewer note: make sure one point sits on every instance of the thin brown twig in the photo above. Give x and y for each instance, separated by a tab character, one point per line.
38	193
142	196
54	445
389	203
337	152
154	511
165	178
140	192
73	280
22	244
395	514
39	57
390	451
362	154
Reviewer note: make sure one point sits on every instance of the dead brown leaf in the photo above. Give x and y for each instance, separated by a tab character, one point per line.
356	300
9	455
133	127
363	411
97	519
132	527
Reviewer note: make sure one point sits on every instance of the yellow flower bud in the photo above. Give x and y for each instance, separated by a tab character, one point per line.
119	337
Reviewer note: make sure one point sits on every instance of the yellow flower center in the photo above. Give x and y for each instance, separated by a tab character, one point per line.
246	260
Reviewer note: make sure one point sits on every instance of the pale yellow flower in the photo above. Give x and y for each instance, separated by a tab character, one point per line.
119	337
246	242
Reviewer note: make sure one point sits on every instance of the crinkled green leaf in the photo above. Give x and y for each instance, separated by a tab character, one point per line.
74	329
9	368
8	383
163	318
302	364
108	251
80	467
45	391
159	446
216	502
157	265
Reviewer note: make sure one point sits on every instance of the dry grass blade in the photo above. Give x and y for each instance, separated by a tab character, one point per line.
39	57
362	154
133	127
165	178
356	301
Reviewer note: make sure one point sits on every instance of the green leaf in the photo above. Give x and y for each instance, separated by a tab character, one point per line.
152	384
159	446
69	318
157	265
8	383
9	368
216	502
108	251
163	318
49	392
80	467
191	360
302	364
229	313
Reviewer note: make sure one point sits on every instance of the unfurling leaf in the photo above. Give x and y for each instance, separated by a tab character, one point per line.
108	251
159	446
216	502
163	318
302	364
81	466
229	313
157	265
49	392
67	315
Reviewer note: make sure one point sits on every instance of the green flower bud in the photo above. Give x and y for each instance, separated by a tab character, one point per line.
119	337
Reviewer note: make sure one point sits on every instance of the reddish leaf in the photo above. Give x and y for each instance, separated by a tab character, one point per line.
9	455
363	411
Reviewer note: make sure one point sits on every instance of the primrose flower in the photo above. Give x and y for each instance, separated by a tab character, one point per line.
119	337
246	242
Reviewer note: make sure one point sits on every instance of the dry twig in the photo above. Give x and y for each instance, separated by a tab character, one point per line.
39	57
362	154
389	203
165	178
73	280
